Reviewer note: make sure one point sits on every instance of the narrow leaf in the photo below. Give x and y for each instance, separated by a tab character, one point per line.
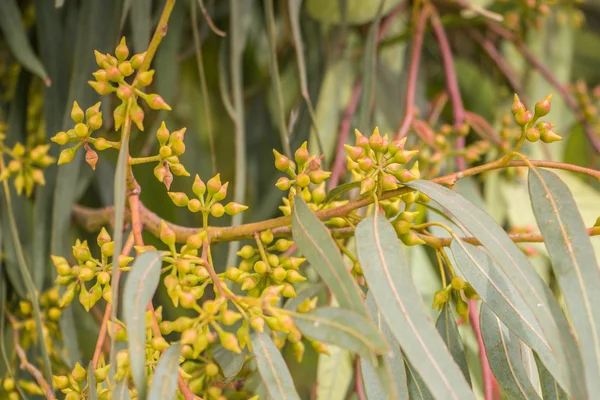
342	328
573	261
394	292
446	326
140	286
504	356
334	374
91	381
272	368
16	38
121	390
551	390
164	382
523	276
416	387
140	19
317	245
340	190
231	363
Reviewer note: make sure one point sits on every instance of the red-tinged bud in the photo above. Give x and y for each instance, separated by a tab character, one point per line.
60	138
113	74
389	182
91	157
222	193
361	140
102	88
145	78
376	141
199	187
124	92
365	163
406	176
319	176
180	199
257	323
137	60
100	75
179	170
194	205
248	284
162	134
532	135
119	115
282	163
93	110
523	117
301	155
234	208
159	172
517	105
95	121
283	183
165	152
396	146
549	136
122	52
542	107
217	210
178	147
100	58
167	236
404	156
366	186
125	68
214	184
156	102
544	126
137	116
302	180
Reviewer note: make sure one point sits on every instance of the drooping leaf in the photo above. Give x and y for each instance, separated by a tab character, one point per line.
340	190
551	390
417	390
389	375
573	261
231	363
272	368
503	352
517	268
317	245
388	276
16	38
343	328
140	286
446	326
164	382
334	374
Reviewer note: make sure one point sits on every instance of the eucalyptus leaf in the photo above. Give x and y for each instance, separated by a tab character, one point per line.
334	374
230	363
91	382
551	390
164	381
446	326
417	390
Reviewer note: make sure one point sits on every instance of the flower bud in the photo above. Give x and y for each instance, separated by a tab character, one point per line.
470	293
214	184
532	135
81	130
361	140
462	309
124	92
145	78
549	136
137	60
458	283
119	115
122	52
517	105
523	117
91	157
354	152
266	236
100	58
301	155
100	75
156	102
234	208
389	182
542	107
439	299
95	121
60	138
179	170
76	113
365	163
283	183
411	239
319	176
217	210
67	155
102	88
167	236
288	291
294	276
61	382
79	373
366	186
248	284
230	342
125	68
376	142
282	163
180	199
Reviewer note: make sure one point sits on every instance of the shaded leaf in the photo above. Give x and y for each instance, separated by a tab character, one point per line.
164	381
517	268
343	328
340	190
91	382
355	12
230	363
446	326
573	261
504	356
272	368
334	374
121	390
140	19
317	245
551	390
388	276
140	286
417	390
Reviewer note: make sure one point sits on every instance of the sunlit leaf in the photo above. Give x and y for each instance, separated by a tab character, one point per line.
394	292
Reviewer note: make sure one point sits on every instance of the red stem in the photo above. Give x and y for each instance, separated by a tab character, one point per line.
491	389
360	392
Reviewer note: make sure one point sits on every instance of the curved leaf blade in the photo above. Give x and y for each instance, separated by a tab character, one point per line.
551	390
517	268
140	286
231	363
164	382
272	368
446	326
317	245
388	276
342	328
504	356
417	390
340	190
573	261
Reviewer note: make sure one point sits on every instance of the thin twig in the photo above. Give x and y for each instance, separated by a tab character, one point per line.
209	20
360	392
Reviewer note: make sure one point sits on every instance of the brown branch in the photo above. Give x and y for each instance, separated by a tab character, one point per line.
25	365
415	59
458	110
209	20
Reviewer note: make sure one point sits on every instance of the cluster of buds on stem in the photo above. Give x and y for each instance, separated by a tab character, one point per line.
89	270
533	129
588	102
171	147
26	165
462	290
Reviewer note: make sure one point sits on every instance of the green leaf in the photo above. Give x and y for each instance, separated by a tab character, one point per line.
16	38
340	190
417	390
317	245
446	326
140	286
91	382
503	298
504	356
551	390
356	11
389	279
517	268
334	374
231	363
164	382
389	373
121	390
140	19
272	368
343	328
573	261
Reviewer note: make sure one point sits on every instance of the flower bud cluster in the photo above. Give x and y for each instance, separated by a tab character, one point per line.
305	171
461	289
588	102
88	269
26	165
75	384
264	266
9	390
171	147
110	78
542	130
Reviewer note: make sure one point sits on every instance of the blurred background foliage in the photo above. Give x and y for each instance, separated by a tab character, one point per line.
354	68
